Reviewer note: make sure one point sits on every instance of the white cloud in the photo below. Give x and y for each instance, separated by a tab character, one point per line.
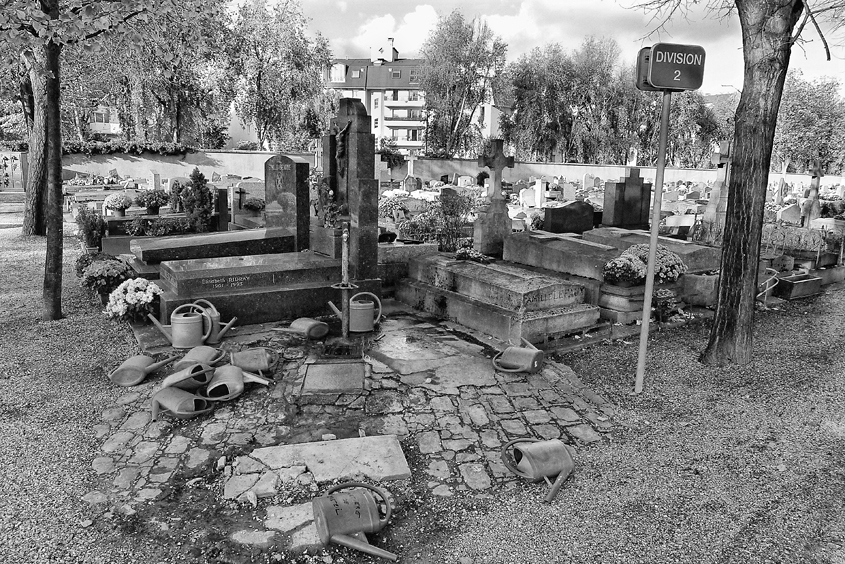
409	33
342	6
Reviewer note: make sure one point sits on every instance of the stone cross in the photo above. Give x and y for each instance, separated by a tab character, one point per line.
496	163
411	159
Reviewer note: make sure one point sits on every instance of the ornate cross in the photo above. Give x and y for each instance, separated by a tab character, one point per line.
496	163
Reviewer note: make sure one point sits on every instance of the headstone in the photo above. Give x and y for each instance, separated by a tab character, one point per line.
466	181
589	181
713	222
444	179
571	217
353	158
411	159
627	202
670	196
222	209
227	244
493	223
215	177
527	198
632	157
155	180
569	191
597	182
287	196
539	193
790	214
694	195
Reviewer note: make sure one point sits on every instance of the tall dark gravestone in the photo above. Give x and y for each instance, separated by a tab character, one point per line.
627	203
354	184
287	197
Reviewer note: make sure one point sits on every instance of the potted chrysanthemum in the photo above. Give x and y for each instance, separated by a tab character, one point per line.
133	300
118	203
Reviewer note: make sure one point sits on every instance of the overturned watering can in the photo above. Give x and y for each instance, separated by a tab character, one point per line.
361	318
311	328
216	331
340	517
200	355
538	461
186	330
519	359
254	360
134	369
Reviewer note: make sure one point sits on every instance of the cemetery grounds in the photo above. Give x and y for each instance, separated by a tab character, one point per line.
737	464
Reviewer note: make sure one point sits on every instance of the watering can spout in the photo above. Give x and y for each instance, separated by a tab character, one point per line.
352	542
336	311
161	328
226	328
153	367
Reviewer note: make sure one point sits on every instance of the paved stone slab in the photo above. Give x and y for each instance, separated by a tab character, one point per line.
376	458
247	465
238	484
178	445
475	476
266	485
584	433
462	372
477	415
334	378
287	519
103	465
429	442
261	539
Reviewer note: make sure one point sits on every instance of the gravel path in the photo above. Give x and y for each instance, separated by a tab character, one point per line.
742	465
52	391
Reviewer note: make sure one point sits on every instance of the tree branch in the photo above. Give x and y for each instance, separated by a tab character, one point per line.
122	21
818	29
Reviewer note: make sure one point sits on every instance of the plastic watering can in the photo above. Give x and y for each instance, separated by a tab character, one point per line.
340	517
134	369
216	331
519	359
361	313
538	461
186	329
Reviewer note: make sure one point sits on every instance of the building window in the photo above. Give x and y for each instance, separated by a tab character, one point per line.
375	123
338	73
375	102
100	117
395	74
414	96
414	133
356	74
415	75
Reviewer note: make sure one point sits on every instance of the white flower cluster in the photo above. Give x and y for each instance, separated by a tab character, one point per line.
668	266
132	297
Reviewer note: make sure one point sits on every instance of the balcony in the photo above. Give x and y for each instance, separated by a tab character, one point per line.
105	128
404	122
389	102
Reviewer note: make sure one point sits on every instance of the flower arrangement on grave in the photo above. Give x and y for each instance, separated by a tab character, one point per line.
103	276
86	260
133	299
137	227
467	253
624	270
254	204
152	199
90	226
666	305
668	266
119	201
388	206
163	226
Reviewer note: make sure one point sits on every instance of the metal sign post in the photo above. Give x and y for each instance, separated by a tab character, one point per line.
671	68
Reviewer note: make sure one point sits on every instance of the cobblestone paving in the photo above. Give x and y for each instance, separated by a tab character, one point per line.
424	382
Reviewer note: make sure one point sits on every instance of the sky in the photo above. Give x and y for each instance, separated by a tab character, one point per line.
352	26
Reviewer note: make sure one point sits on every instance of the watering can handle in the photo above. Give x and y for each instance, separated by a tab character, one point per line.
508	463
207	317
192	307
208	305
378	302
501	368
382	493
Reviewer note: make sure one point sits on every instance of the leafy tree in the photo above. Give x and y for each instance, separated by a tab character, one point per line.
770	28
36	32
280	87
811	117
461	63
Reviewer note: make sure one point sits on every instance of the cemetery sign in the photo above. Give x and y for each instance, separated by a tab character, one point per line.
676	67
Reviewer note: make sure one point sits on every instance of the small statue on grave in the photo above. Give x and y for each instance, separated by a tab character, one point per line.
340	148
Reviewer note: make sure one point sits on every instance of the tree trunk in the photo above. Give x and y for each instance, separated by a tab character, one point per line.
767	28
52	292
137	103
34	86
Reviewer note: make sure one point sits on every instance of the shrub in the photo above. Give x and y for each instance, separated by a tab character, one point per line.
91	226
137	227
247	146
254	204
386	206
163	226
198	201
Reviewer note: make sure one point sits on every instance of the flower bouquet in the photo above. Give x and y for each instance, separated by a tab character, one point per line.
103	276
668	266
152	199
117	202
625	270
133	300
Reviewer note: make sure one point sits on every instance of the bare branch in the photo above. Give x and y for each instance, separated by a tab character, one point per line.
818	29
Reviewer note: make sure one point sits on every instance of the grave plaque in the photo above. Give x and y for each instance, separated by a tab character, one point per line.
287	196
627	202
790	214
571	217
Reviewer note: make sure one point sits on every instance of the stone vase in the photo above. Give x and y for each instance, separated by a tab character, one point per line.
119	213
152	210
